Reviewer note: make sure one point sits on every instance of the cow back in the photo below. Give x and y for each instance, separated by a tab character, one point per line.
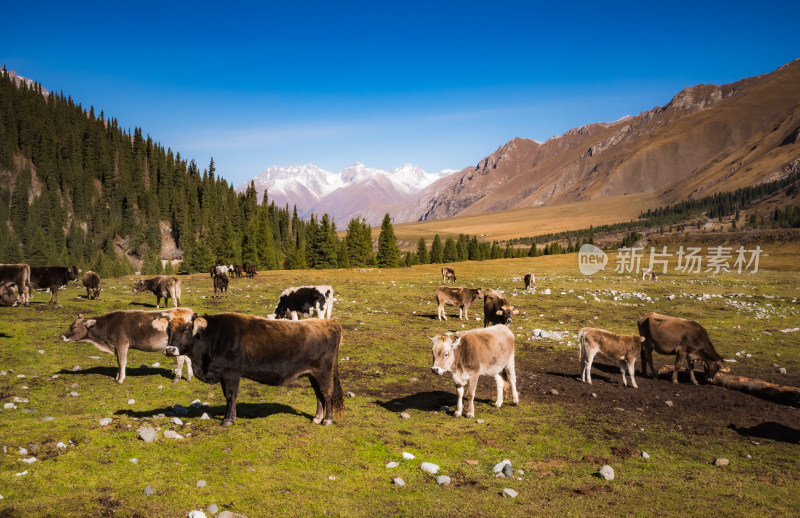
482	348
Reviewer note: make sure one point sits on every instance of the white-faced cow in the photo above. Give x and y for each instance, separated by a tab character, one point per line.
621	349
459	297
470	354
530	281
221	284
52	278
497	309
19	274
161	286
8	294
221	269
448	273
686	339
647	273
311	300
91	282
229	346
119	331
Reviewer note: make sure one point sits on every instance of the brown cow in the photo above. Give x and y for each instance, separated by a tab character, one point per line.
229	346
622	349
250	270
530	280
118	331
92	283
238	269
470	354
8	294
686	339
497	309
52	278
448	273
220	283
19	274
460	297
161	286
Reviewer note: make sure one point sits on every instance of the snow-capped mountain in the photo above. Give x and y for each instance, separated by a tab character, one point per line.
357	191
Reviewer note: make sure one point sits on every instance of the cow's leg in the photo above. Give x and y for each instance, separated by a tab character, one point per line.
622	371
472	385
461	311
587	369
631	368
323	387
122	361
178	369
441	313
690	366
294	315
498	378
230	389
460	402
189	371
680	359
512	380
647	358
158	301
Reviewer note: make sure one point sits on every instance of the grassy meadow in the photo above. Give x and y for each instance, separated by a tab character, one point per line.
275	462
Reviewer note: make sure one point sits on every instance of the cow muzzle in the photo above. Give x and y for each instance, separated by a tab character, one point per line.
437	370
64	338
171	351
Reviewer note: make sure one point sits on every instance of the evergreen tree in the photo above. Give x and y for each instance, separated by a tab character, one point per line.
450	252
437	250
388	253
422	251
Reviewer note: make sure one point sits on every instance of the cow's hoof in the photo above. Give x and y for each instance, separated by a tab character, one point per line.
498	405
227	422
176	380
470	416
457	414
316	420
327	422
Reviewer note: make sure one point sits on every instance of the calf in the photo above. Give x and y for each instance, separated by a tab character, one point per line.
530	281
497	309
8	294
221	284
686	339
470	354
448	273
229	346
118	331
623	349
52	278
647	273
460	297
19	274
161	286
305	299
92	283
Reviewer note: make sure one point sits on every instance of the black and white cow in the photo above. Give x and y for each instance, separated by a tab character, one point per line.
309	300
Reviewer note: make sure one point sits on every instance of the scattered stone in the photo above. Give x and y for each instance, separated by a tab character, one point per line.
552	392
607	472
669	403
29	460
134	460
399	482
197	514
782	370
508	471
23	451
201	483
21	473
172	434
645	455
131	401
74	394
721	462
205	416
177	421
510	493
405	415
229	514
480	421
443	480
408	456
429	467
594	394
18	399
105	421
9	406
48	418
61	445
212	509
412	380
471	462
147	434
350	395
499	466
156	364
392	464
76	368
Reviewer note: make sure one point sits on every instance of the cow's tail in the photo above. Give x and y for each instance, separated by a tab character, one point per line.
337	401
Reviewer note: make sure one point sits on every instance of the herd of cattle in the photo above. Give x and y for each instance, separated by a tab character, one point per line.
225	347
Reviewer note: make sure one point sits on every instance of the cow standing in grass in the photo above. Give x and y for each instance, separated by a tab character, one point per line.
621	349
161	286
91	281
448	274
20	275
221	284
530	281
459	297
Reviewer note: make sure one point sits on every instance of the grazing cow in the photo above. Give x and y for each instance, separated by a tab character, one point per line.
238	269
221	284
647	273
250	270
19	274
469	354
92	283
119	331
530	281
161	286
305	299
497	309
229	346
686	339
8	294
231	270
623	349
220	269
448	273
460	297
52	278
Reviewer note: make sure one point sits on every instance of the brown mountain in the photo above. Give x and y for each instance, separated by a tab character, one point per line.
707	139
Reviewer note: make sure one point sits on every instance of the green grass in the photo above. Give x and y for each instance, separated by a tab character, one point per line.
274	461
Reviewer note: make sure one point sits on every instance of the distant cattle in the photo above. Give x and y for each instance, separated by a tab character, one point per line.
161	286
222	269
119	331
221	284
8	294
238	269
621	349
52	278
92	283
448	273
647	273
530	281
470	354
19	274
229	346
497	309
459	297
686	339
311	300
250	270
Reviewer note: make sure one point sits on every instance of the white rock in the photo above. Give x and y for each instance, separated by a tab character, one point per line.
197	514
29	460
429	467
133	460
61	445
105	421
147	434
21	474
9	406
172	434
131	401
205	416
177	421
721	462
201	483
392	464
443	480
156	364
607	472
499	466
645	455
399	482
509	493
408	456
405	415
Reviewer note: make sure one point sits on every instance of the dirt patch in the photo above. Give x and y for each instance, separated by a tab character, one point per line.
594	459
593	489
623	452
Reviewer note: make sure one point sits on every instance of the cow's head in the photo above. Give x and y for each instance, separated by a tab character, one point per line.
8	294
281	309
713	367
479	294
505	312
182	335
79	329
139	286
72	273
444	349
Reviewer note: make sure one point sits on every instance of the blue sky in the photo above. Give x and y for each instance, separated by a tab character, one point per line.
436	84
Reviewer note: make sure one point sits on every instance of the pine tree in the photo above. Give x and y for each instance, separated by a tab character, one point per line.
437	250
422	251
450	252
388	253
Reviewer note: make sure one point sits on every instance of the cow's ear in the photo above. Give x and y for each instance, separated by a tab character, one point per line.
199	324
457	342
499	312
515	311
90	322
160	324
80	316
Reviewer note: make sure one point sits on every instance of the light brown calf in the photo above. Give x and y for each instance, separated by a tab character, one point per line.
622	349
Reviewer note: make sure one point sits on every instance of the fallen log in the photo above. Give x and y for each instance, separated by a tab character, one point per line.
753	386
